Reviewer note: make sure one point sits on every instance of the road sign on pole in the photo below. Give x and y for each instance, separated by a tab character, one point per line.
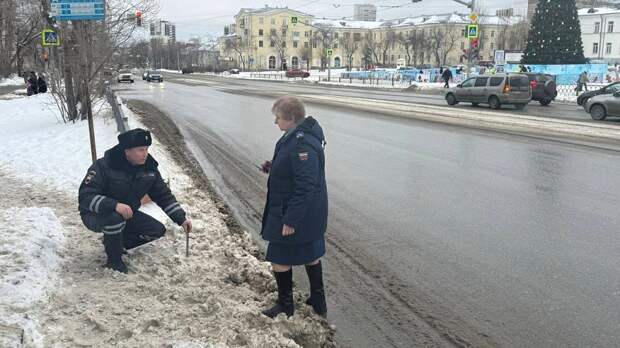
50	38
329	52
472	31
75	10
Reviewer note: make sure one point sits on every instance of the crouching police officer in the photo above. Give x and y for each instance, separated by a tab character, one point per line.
110	196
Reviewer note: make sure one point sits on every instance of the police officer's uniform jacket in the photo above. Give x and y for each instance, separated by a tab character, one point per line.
113	179
297	191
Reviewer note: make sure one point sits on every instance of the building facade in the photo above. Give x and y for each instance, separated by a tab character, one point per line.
600	33
365	12
278	38
163	31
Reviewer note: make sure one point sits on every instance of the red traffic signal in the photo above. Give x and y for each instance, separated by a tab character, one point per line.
475	43
139	18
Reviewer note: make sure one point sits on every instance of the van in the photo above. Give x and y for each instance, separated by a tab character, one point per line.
495	90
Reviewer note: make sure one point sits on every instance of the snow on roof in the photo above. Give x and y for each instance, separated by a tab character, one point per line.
267	9
598	11
342	24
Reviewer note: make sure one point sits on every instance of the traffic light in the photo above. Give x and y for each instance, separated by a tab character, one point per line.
475	43
138	18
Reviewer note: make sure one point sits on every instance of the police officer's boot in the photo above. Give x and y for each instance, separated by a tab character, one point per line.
317	292
113	244
285	295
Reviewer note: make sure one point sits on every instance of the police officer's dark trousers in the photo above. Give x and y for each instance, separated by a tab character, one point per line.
118	233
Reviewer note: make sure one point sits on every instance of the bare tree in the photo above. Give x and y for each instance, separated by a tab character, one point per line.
323	39
406	40
421	45
349	46
372	46
234	43
306	54
389	40
278	41
443	40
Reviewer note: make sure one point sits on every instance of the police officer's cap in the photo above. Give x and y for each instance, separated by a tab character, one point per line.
134	138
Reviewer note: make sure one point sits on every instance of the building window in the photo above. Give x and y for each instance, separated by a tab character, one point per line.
462	45
492	46
283	44
283	33
296	34
306	34
273	21
245	32
610	27
306	44
295	44
347	36
260	43
314	45
260	32
336	35
597	27
608	48
595	48
260	20
357	36
283	21
335	45
463	33
272	44
273	32
492	33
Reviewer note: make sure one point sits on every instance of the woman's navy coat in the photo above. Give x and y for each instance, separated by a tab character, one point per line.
297	193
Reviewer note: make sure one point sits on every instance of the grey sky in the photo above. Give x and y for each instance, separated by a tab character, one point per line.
201	18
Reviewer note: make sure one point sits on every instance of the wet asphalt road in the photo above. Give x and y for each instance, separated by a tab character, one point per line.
438	235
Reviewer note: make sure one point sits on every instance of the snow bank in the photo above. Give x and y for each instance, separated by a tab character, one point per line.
12	81
30	239
36	144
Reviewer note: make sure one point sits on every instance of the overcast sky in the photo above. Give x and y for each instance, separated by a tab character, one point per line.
200	18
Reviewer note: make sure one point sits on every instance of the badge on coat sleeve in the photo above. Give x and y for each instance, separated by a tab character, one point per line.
91	174
303	156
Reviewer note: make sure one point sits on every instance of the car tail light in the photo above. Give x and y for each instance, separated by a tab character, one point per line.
534	84
507	88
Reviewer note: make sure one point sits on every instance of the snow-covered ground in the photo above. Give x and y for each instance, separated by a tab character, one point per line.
14	80
53	285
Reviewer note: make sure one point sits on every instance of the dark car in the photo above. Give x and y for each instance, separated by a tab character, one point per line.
612	88
544	88
234	71
297	73
187	71
154	76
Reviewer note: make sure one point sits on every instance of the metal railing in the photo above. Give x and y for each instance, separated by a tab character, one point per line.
116	104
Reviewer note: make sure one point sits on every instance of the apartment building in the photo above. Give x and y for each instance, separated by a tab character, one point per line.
600	33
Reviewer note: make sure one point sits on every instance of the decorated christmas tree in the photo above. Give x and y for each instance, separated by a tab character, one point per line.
555	34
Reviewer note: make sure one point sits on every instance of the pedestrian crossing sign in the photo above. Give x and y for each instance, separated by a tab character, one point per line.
329	52
50	38
472	31
294	20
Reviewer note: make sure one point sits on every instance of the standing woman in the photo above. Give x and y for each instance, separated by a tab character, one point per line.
295	215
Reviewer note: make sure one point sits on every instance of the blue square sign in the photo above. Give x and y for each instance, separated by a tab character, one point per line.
75	10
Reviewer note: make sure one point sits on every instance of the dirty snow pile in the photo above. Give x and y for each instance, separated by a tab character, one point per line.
53	285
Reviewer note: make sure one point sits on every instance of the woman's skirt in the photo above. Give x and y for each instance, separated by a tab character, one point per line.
295	254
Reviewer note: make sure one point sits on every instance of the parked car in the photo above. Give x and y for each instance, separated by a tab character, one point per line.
296	73
495	90
544	88
234	71
609	89
154	76
125	77
603	105
187	71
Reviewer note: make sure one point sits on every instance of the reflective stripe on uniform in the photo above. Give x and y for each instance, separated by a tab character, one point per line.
171	206
113	229
173	210
98	203
96	199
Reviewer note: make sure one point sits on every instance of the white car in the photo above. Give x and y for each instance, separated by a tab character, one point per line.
125	77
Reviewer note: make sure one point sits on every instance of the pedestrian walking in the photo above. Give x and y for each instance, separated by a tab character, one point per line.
295	215
110	196
446	76
32	87
41	84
